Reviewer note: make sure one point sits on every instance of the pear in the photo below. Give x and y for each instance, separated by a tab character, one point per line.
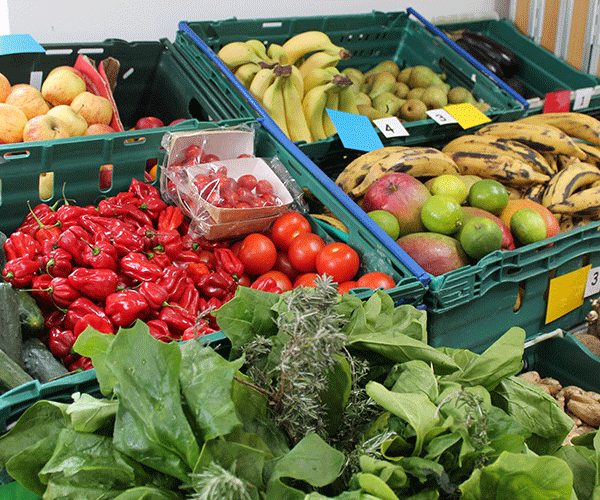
434	97
363	99
387	66
415	93
404	75
413	110
444	86
382	82
401	90
422	76
370	112
356	75
388	103
458	95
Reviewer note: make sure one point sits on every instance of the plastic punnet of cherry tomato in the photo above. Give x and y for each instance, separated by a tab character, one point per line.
292	256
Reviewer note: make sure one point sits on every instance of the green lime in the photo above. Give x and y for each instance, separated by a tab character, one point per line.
488	195
480	236
528	226
386	221
441	214
451	186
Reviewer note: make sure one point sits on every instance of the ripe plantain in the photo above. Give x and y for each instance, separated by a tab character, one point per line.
593	153
581	203
568	181
578	125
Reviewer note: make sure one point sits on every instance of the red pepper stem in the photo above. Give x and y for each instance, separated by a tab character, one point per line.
35	217
174	306
64	197
159	248
49	264
9	275
95	249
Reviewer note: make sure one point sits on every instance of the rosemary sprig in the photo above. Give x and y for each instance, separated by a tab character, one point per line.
217	483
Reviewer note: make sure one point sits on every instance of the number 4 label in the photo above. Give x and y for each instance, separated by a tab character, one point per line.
592	286
391	127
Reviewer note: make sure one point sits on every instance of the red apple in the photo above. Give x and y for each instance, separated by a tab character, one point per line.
403	196
62	86
44	128
29	99
99	128
179	120
149	122
93	108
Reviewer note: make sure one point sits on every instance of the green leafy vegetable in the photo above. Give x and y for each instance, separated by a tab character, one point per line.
95	345
88	414
582	462
417	376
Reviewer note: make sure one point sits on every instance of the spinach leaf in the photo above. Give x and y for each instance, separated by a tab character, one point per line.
335	397
206	381
417	376
582	462
147	493
312	461
151	426
536	411
89	414
95	345
373	485
415	409
246	315
504	432
521	477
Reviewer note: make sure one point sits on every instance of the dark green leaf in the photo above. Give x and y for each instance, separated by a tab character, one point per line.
89	414
586	440
504	432
422	468
95	345
440	444
335	398
206	381
147	493
582	463
416	376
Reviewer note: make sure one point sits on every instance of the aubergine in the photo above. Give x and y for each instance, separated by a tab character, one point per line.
496	51
481	56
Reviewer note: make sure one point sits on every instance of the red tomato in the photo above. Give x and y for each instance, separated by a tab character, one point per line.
339	261
281	279
287	227
247	181
284	265
376	280
307	279
346	287
257	253
304	250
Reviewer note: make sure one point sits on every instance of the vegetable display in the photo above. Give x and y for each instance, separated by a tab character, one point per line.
324	396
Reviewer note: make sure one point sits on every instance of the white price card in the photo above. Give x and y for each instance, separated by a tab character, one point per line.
593	282
391	127
441	116
582	98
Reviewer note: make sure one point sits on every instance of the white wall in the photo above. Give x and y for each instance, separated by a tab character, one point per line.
86	20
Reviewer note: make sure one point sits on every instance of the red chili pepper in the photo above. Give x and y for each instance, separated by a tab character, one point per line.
160	259
54	320
128	211
159	330
69	215
60	342
170	218
62	292
79	308
211	245
170	243
197	270
45	231
43	213
153	206
121	234
266	285
125	307
189	243
73	240
56	263
138	267
97	323
216	284
177	319
82	363
190	299
186	257
20	271
100	255
142	189
96	284
41	288
227	261
173	280
200	328
154	294
21	245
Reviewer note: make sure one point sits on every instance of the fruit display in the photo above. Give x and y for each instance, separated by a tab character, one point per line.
302	74
529	179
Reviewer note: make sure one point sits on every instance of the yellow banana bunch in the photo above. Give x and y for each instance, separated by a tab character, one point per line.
311	41
313	105
274	103
319	76
294	118
236	54
319	60
261	82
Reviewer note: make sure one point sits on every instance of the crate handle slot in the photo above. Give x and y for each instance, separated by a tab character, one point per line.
105	177
46	186
132	141
520	296
91	50
128	73
272	24
17	155
59	52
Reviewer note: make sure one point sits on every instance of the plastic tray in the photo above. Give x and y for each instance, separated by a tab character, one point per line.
371	38
541	71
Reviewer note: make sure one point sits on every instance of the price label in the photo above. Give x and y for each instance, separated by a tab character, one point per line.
441	116
582	98
557	102
566	293
467	115
391	127
355	131
592	286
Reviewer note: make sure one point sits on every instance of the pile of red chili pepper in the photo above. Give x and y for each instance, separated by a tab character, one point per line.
128	258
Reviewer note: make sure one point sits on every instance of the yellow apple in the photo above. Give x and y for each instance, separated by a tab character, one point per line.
29	99
99	128
69	68
94	108
44	128
62	86
12	122
76	124
4	88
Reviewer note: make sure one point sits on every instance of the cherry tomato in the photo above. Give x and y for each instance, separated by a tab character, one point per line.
287	227
284	265
281	279
257	253
346	287
247	181
376	280
307	279
263	187
338	260
304	250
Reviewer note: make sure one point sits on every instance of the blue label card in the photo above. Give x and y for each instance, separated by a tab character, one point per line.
355	131
19	44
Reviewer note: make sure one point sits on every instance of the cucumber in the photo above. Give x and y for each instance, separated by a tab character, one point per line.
39	361
30	315
11	374
10	326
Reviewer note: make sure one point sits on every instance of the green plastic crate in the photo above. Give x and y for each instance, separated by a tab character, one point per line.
541	71
371	38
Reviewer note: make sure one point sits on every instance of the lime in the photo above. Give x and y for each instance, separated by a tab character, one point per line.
480	236
386	221
451	186
441	214
528	226
489	195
